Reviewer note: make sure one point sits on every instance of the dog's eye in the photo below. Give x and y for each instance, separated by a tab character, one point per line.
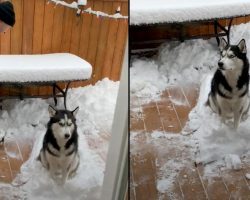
69	124
61	124
231	56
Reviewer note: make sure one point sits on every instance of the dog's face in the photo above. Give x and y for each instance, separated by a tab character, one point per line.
232	55
62	122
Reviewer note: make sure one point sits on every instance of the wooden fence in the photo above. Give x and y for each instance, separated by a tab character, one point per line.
42	27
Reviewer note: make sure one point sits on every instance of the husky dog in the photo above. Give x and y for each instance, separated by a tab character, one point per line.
59	153
229	95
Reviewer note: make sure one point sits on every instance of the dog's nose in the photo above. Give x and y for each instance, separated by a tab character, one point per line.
66	135
220	65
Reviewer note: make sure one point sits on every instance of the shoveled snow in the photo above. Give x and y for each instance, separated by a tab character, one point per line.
43	68
159	11
216	145
26	122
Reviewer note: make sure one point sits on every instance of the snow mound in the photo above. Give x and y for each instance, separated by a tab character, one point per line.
26	122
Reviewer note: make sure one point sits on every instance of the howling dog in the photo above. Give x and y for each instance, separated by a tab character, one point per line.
229	95
59	153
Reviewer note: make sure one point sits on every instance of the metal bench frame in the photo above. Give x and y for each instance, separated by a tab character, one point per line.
180	26
20	87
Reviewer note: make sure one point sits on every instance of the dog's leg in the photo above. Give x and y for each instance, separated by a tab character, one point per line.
237	117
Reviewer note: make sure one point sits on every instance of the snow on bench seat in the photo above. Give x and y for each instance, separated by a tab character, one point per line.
169	11
53	67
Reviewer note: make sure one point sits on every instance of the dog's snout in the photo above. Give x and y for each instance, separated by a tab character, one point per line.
66	135
220	65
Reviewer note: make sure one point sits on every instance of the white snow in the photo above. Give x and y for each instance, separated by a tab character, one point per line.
159	11
209	141
247	176
43	68
26	122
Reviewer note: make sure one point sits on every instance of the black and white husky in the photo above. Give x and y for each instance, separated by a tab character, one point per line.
59	153
229	96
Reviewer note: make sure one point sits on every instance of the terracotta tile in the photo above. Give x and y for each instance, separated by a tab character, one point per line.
137	121
151	117
180	104
191	91
144	176
215	186
236	184
191	185
168	116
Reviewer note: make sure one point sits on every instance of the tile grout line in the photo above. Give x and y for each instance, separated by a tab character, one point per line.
19	150
223	181
8	162
205	191
182	194
132	174
141	111
185	97
175	111
160	117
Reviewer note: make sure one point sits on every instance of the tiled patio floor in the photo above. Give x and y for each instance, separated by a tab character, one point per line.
169	114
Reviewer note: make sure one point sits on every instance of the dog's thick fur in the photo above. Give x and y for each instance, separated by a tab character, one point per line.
59	153
229	96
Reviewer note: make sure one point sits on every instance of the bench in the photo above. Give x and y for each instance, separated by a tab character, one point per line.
20	71
169	14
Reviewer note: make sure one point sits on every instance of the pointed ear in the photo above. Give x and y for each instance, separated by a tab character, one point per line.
52	111
242	46
223	44
74	112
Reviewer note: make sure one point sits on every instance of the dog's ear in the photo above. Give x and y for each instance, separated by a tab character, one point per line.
242	46
74	112
223	44
52	111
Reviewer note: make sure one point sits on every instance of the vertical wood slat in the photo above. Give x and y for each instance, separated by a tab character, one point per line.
85	32
16	31
38	26
67	26
28	25
57	29
112	35
48	27
102	42
120	46
93	40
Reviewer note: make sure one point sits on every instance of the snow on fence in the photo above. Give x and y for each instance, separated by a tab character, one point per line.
43	28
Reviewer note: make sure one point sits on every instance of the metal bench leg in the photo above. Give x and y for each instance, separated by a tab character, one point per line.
54	94
65	95
227	31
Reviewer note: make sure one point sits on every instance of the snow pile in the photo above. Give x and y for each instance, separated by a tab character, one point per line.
40	68
26	121
210	142
179	63
159	11
213	140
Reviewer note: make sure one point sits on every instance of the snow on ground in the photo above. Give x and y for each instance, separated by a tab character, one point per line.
26	121
159	11
212	143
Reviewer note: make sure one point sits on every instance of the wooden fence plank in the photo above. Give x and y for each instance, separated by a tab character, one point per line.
57	29
102	42
112	35
93	40
28	25
16	31
120	45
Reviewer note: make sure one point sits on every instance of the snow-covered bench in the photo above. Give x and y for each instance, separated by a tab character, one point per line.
158	13
20	71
